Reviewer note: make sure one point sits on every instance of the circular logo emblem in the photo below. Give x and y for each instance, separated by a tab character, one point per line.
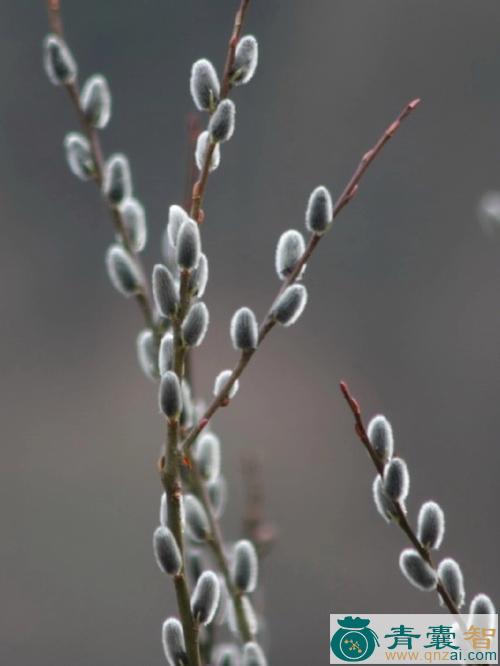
354	641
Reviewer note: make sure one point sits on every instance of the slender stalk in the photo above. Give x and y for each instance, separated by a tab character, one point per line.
401	517
268	324
142	297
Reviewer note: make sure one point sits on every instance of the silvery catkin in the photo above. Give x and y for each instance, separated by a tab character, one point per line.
202	144
95	101
290	304
451	577
245	566
208	456
430	525
79	156
289	250
245	60
188	245
199	277
319	212
164	291
197	525
134	221
416	570
170	397
117	179
253	655
146	353
122	271
221	380
60	66
221	125
195	325
384	505
244	329
166	353
227	655
166	550
205	597
379	433
176	217
204	85
173	642
396	479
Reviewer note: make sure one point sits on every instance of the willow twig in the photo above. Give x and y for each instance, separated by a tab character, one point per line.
400	514
350	190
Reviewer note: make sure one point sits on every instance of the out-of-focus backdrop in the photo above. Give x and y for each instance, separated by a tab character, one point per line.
404	303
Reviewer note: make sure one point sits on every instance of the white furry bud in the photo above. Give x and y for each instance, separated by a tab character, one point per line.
173	642
227	655
199	277
188	245
96	101
217	493
480	605
208	456
245	60
195	325
176	217
205	597
202	145
381	438
244	330
289	250
166	353
122	271
221	125
290	304
79	156
416	570
117	179
451	577
164	291
146	353
319	213
134	221
396	479
248	613
221	380
204	85
385	506
197	524
166	550
60	66
245	566
253	655
170	396
430	525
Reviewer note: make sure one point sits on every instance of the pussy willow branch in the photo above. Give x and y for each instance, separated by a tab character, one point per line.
401	518
142	297
268	324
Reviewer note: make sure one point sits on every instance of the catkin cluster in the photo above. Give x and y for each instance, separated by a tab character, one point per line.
390	492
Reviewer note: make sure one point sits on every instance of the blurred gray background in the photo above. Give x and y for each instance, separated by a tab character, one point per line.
404	304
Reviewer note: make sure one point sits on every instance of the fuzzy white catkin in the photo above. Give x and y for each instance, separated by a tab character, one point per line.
166	353
244	329
430	525
170	397
188	410
117	179
245	60
197	525
289	250
95	100
290	304
205	597
173	642
416	570
217	494
221	125
221	380
122	271
227	655
396	479
204	85
166	550
176	216
319	212
451	577
253	655
199	277
134	221
381	438
188	245
245	566
208	456
195	325
249	614
480	605
79	156
59	63
164	511
164	291
383	503
146	353
202	144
